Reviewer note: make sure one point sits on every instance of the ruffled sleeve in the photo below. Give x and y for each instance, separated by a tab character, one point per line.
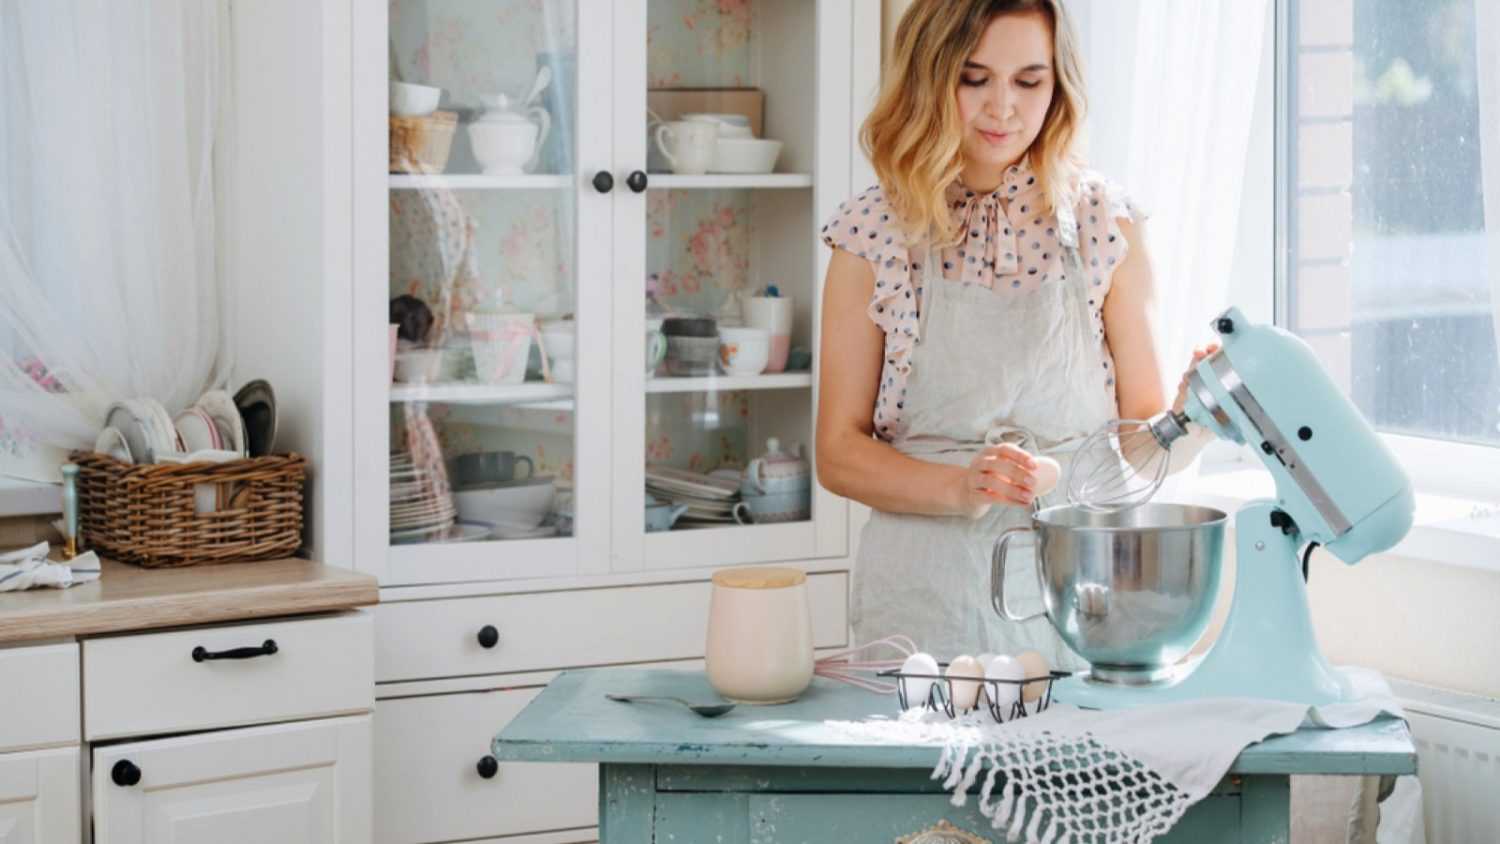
1102	245
866	226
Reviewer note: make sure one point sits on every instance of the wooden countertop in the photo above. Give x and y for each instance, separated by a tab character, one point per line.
128	597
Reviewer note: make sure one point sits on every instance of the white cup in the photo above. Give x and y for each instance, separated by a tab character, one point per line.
689	145
744	351
774	314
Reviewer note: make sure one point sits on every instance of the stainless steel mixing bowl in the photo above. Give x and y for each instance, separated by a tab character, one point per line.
1129	591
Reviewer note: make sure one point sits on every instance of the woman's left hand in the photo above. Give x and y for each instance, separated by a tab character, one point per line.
1198	355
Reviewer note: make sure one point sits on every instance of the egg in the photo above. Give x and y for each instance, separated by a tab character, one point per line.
1036	666
917	688
1047	472
1006	695
964	674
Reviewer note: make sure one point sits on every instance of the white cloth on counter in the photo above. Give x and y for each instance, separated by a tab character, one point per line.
1060	772
29	568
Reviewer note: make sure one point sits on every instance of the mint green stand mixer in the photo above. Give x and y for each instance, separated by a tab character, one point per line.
1131	588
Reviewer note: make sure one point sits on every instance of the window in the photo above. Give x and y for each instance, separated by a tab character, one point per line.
1386	271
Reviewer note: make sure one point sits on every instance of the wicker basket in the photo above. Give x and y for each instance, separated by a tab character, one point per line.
148	515
421	144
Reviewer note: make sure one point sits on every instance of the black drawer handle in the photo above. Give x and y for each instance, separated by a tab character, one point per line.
488	636
636	180
125	773
201	653
604	181
488	767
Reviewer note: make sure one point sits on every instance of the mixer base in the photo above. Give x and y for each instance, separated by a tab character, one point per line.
1267	648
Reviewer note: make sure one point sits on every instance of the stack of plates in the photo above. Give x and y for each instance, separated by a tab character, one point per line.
708	498
420	510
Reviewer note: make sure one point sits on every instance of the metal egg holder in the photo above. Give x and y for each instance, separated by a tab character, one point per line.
940	693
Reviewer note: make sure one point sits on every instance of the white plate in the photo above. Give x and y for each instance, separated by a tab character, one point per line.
457	532
692	483
125	417
111	442
220	407
196	430
403	537
538	532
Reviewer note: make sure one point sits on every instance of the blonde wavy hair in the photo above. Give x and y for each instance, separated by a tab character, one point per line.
913	135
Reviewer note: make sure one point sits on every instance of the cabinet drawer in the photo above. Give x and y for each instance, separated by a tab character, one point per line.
427	781
547	630
41	696
152	683
295	783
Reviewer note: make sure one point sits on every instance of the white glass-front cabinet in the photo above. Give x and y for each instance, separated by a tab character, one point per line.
557	324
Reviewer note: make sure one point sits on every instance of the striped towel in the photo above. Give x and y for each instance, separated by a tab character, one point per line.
29	567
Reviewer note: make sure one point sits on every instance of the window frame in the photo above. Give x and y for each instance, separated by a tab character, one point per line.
1436	466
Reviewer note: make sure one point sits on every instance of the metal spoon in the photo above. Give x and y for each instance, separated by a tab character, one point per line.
707	711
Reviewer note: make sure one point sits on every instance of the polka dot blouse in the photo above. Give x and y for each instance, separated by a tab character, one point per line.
1009	248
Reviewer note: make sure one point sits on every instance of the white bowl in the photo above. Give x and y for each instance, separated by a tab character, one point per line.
520	505
744	351
557	339
408	100
730	125
419	366
746	155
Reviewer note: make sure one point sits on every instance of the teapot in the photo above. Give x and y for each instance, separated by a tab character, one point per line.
776	472
507	138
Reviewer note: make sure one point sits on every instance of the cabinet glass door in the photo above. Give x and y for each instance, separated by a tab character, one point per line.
719	107
490	307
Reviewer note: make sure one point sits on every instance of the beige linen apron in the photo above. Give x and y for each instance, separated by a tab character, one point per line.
989	366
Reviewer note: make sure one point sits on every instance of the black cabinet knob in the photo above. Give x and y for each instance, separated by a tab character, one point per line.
604	182
488	636
636	180
125	773
488	767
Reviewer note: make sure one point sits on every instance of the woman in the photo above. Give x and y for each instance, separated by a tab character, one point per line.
988	301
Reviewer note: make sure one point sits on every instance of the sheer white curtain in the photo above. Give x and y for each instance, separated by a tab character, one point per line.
108	287
1486	31
1172	96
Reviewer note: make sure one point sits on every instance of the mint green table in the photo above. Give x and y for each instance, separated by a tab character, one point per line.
777	775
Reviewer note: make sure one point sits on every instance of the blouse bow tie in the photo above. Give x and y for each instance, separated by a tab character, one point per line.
992	242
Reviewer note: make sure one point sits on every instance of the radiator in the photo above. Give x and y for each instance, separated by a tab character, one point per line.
1458	761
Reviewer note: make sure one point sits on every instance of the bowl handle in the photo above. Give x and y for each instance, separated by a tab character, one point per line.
997	577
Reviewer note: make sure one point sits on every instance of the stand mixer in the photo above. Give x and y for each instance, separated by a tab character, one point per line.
1131	590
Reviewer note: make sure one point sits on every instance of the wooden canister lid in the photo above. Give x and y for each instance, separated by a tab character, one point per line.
768	577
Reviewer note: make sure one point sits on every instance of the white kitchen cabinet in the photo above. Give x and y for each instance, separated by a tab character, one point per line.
587	231
594	236
40	796
435	779
300	782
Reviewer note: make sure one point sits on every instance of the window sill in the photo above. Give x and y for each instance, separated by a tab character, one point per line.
29	498
1454	530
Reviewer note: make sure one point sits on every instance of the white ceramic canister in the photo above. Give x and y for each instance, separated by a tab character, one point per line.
760	647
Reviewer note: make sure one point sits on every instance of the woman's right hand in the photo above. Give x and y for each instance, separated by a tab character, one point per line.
1001	474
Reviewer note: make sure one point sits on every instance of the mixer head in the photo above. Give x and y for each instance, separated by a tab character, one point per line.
1337	482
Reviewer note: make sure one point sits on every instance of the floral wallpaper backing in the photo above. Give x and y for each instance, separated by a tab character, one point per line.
453	249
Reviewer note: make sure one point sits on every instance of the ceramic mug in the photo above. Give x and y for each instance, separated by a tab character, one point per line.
774	314
689	145
744	351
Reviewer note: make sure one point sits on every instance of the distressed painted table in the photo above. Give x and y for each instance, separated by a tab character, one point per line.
776	774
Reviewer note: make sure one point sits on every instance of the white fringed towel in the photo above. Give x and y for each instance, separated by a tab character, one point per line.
29	568
1057	776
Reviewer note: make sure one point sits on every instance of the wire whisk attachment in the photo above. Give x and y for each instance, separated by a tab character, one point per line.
1123	464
